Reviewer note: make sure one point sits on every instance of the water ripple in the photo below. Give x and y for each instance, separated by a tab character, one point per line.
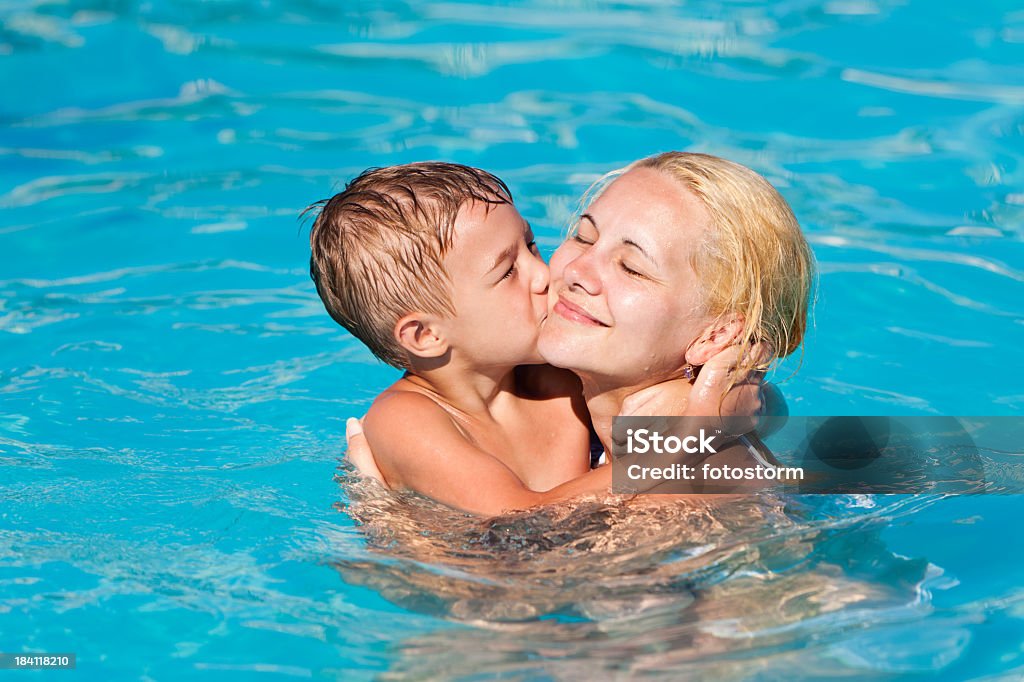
174	396
985	92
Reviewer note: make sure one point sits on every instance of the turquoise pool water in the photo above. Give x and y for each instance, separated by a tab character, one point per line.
172	395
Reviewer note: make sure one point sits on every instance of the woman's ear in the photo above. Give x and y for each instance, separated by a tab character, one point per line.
421	335
718	336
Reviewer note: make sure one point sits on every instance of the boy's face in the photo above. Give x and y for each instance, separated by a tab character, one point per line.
499	287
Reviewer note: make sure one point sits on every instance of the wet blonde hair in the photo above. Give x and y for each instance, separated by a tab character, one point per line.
753	261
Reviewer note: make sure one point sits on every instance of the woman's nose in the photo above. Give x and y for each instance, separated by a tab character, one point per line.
581	273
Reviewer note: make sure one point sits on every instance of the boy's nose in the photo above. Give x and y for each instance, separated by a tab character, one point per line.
541	277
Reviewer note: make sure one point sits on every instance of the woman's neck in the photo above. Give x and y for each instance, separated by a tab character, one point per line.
606	401
604	404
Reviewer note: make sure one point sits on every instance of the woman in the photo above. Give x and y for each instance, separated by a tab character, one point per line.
676	260
680	257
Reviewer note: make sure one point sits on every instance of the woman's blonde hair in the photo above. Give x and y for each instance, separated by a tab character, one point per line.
754	261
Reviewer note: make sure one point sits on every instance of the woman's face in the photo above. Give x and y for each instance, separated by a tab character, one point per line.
623	301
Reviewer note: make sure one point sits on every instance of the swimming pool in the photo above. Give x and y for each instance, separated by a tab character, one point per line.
173	395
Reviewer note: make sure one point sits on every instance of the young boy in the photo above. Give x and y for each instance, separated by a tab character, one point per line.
432	267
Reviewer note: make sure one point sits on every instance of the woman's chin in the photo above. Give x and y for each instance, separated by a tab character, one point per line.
549	354
560	352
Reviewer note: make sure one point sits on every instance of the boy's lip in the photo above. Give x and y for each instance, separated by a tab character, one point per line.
575	313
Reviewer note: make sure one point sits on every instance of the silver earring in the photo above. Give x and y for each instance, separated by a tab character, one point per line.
688	372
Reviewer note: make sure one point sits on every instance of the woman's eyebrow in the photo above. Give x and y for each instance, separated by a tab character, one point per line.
628	242
632	243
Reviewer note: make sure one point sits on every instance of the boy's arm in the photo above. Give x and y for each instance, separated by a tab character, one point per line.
718	391
416	445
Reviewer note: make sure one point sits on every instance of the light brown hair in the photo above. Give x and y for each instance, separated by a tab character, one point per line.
378	247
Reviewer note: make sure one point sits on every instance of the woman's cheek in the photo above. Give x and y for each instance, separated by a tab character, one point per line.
626	298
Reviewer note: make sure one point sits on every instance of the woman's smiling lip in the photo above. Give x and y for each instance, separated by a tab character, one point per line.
574	313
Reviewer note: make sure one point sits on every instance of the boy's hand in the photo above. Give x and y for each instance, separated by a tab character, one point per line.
710	403
676	397
664	399
744	399
737	412
359	453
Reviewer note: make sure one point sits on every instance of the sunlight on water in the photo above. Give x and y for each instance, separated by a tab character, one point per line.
174	396
648	587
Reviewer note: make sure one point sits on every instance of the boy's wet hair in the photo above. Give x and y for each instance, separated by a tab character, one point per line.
378	247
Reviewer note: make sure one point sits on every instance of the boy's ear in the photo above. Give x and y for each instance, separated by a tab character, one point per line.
421	335
718	336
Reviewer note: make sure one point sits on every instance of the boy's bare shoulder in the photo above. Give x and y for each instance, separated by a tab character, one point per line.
402	401
405	427
546	381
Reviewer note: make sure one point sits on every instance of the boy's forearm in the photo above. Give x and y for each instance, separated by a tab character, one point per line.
595	482
488	489
495	497
499	497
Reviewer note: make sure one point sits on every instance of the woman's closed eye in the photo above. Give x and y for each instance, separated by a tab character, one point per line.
630	271
576	237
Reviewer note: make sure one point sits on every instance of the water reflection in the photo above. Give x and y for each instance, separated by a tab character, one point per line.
635	586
